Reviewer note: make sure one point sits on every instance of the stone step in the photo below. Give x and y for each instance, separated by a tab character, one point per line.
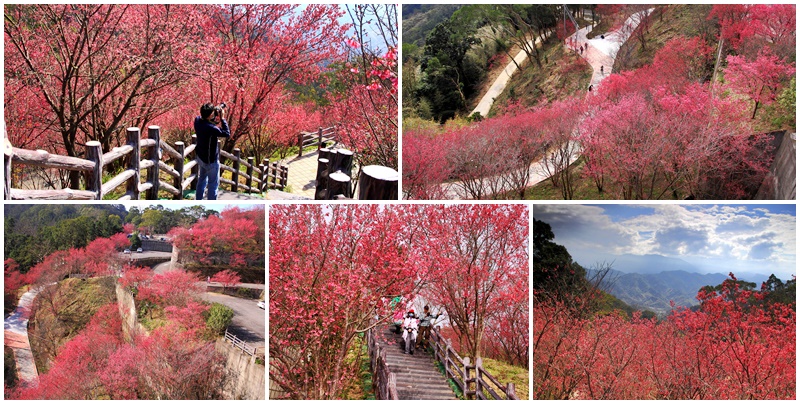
417	375
405	368
421	383
421	394
416	358
409	367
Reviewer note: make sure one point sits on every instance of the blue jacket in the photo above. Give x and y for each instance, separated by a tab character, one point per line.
207	134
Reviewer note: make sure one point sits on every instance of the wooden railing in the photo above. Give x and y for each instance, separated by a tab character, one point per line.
319	138
239	344
472	379
384	382
184	174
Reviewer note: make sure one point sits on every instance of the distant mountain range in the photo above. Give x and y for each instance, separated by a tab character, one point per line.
652	281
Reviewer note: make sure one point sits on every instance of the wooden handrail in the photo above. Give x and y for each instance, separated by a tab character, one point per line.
254	178
384	381
461	370
318	137
41	158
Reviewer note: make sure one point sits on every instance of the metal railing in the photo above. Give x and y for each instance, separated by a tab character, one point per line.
239	343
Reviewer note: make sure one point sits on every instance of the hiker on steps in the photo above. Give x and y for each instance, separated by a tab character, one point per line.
425	324
410	327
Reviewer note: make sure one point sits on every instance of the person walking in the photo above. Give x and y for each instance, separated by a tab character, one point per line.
426	322
209	126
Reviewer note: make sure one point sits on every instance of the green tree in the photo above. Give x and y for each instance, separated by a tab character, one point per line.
218	318
136	242
449	77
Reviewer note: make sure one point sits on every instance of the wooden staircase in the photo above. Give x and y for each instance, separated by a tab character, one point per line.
417	377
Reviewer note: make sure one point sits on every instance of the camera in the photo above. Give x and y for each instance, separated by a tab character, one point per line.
218	109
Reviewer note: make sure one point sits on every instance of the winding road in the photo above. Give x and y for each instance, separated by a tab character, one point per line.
598	52
500	83
15	328
249	321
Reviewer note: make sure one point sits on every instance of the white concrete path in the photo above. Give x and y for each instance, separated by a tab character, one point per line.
599	52
485	104
16	337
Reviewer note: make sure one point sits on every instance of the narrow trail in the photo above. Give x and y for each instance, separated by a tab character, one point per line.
500	83
16	337
597	52
417	375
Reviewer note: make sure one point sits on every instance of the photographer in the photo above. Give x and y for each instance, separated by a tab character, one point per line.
209	126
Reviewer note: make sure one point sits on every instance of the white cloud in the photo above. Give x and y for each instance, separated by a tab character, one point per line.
702	232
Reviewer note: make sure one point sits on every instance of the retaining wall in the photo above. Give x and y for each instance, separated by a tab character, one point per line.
781	182
246	378
127	310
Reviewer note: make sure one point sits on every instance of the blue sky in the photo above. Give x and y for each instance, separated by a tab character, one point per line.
714	238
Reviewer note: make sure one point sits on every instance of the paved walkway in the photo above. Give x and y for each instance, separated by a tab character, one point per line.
600	52
501	82
16	337
537	173
228	196
303	174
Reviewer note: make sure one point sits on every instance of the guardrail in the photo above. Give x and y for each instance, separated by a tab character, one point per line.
472	379
319	138
384	382
239	344
256	179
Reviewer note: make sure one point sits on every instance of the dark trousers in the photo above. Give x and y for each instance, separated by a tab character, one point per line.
424	334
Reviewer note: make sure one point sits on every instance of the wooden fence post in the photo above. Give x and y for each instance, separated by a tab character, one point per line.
154	153
478	375
346	161
94	179
319	140
446	357
466	377
180	148
300	137
134	138
284	177
377	183
391	387
511	391
276	166
195	168
338	184
262	185
322	179
249	181
265	175
237	157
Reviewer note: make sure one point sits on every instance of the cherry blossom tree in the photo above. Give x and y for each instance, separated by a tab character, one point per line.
236	237
465	259
366	110
759	79
227	278
252	49
735	346
92	66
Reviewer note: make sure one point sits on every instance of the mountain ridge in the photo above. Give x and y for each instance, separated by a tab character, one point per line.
654	284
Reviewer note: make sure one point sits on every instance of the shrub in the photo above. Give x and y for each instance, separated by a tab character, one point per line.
218	318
